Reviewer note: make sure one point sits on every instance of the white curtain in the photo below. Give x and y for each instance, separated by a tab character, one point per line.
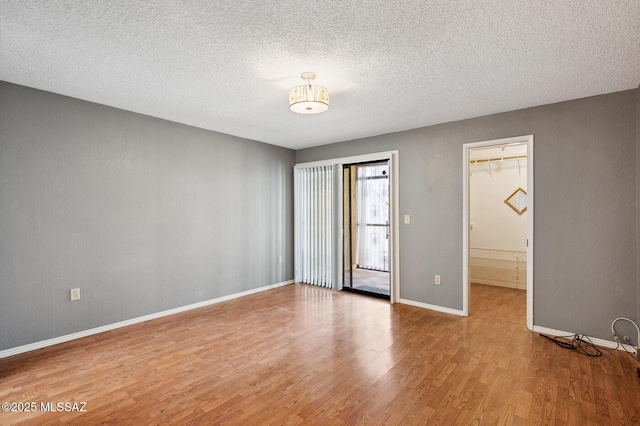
314	226
372	192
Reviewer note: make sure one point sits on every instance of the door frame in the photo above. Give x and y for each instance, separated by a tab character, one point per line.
466	148
394	214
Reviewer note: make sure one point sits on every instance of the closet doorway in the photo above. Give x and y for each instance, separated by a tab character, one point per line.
498	229
366	225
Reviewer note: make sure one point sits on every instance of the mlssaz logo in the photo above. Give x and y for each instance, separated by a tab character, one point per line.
63	406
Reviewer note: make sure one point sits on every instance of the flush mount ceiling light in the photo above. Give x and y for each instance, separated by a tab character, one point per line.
308	98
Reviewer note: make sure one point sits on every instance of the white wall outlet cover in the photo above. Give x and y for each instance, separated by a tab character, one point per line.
74	294
407	219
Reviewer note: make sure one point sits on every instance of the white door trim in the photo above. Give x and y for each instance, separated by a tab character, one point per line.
394	185
528	139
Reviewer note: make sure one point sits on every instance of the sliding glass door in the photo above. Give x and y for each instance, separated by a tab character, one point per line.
366	228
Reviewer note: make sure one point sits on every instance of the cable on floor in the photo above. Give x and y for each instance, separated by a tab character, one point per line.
582	344
631	354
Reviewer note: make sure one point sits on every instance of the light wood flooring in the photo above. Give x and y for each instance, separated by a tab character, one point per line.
300	354
498	303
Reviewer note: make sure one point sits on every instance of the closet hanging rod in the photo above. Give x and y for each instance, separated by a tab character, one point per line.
486	160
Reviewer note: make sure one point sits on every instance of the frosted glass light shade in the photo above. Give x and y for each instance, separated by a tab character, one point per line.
309	99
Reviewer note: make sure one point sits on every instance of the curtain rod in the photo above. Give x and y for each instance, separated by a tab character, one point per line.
486	160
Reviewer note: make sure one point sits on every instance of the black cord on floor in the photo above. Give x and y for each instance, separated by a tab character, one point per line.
582	344
633	356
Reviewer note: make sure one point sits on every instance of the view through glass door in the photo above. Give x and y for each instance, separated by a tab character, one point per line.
366	228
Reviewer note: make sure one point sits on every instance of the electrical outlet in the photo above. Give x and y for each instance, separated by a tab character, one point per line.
437	280
74	294
407	219
279	259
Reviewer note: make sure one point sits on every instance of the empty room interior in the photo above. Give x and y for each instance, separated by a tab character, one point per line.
319	213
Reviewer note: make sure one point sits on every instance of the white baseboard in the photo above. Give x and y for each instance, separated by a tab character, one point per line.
85	333
598	342
433	307
513	285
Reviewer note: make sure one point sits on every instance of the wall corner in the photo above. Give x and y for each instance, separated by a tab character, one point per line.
638	203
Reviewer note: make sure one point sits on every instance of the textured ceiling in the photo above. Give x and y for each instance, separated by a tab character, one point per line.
227	65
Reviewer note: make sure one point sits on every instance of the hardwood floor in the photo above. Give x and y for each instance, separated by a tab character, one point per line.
306	355
491	302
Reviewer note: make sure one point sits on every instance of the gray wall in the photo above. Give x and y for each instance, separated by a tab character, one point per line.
585	207
142	214
146	215
638	205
